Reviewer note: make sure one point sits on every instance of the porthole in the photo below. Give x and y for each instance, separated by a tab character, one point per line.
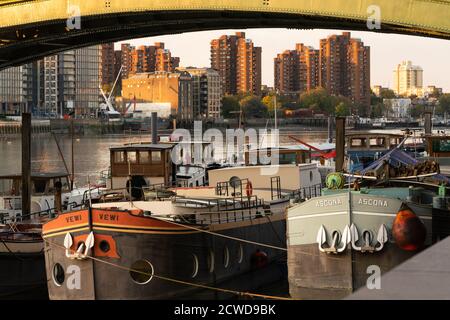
240	254
211	261
195	266
58	275
104	246
141	272
226	257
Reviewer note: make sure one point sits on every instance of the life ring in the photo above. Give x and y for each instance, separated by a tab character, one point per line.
249	189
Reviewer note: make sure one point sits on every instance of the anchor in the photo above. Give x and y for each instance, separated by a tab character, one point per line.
338	244
367	236
79	254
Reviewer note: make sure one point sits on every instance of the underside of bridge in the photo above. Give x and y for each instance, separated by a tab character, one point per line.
28	36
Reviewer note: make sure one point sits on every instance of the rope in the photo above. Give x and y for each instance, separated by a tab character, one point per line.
218	234
246	241
202	286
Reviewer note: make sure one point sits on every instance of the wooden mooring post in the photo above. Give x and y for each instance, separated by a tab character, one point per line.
26	164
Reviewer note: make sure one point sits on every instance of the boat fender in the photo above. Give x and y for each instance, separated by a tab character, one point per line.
249	189
408	230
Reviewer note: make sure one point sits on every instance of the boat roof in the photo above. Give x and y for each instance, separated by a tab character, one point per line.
143	146
373	133
37	175
299	147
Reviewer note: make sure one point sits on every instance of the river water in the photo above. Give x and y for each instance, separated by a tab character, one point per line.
91	154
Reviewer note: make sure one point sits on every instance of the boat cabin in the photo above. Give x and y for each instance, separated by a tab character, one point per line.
363	148
437	145
43	192
41	184
286	155
148	164
372	142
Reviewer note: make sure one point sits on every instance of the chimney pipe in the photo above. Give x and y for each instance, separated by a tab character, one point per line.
340	143
154	128
428	123
330	129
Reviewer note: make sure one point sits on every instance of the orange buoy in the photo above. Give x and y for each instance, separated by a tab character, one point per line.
249	189
408	230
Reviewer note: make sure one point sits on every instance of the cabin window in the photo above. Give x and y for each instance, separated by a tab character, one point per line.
132	156
441	145
288	158
144	157
358	142
119	157
156	156
6	186
39	186
377	142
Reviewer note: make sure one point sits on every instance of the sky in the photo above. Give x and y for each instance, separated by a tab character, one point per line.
387	50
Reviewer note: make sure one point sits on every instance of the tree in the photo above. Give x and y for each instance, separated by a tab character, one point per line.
252	107
387	94
230	104
342	109
444	103
416	111
318	100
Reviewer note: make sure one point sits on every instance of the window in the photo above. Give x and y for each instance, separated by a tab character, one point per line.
195	266
240	253
156	156
226	257
132	156
358	142
39	186
141	272
119	157
144	157
377	142
211	261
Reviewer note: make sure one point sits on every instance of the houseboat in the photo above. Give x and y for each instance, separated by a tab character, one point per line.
229	236
365	223
21	245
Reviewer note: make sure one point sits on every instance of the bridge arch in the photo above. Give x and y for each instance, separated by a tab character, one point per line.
32	29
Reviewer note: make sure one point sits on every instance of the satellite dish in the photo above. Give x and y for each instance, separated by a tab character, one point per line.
235	182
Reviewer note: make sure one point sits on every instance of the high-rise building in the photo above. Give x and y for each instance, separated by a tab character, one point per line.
12	91
165	87
148	59
108	64
207	92
125	59
408	79
296	71
238	62
345	67
70	80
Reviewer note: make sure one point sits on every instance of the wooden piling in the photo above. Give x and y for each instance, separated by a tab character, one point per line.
340	143
26	164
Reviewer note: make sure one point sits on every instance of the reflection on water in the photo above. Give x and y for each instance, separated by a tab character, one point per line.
91	153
